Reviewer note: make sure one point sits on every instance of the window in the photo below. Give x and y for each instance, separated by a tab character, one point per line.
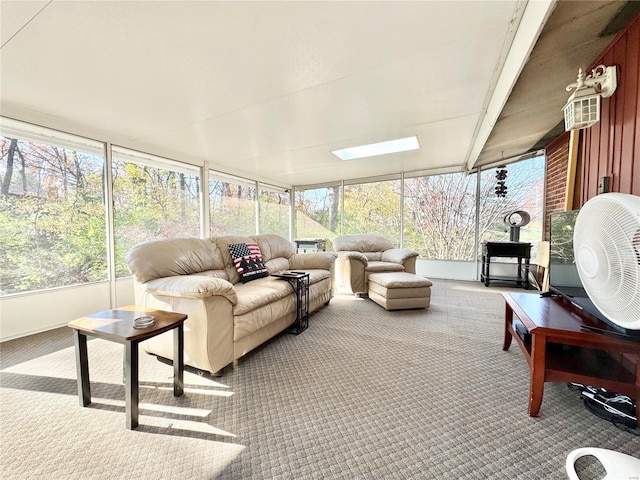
153	198
318	213
274	210
232	205
374	208
52	216
525	191
440	216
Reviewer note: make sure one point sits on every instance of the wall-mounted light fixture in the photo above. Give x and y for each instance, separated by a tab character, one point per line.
583	107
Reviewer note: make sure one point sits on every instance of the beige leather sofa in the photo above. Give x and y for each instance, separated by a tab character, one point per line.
363	254
227	318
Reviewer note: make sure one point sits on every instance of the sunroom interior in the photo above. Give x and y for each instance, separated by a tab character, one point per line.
223	120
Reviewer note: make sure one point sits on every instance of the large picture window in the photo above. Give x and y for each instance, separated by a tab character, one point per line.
232	205
153	198
440	216
525	191
274	206
373	207
318	213
52	217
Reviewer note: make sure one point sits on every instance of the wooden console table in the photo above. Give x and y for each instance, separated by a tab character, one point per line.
561	350
519	250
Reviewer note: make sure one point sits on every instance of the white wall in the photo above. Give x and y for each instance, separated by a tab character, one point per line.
35	312
450	269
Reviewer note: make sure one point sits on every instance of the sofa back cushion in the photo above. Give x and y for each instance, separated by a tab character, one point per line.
362	243
276	251
175	256
274	246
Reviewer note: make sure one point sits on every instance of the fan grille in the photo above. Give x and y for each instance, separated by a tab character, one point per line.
607	251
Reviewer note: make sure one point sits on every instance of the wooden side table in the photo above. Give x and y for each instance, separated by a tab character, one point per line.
560	347
117	326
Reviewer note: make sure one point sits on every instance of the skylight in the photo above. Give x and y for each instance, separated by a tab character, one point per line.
375	149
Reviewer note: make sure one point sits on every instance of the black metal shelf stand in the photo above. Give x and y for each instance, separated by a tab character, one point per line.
299	281
519	250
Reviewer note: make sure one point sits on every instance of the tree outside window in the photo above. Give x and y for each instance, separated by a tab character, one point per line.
52	214
232	206
152	199
274	211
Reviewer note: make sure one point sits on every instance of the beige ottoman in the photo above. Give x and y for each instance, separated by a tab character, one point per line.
399	290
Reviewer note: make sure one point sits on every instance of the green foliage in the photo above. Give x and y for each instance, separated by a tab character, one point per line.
232	209
52	218
151	203
53	225
274	213
373	208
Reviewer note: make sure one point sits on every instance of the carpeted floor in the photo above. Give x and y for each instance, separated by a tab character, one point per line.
363	393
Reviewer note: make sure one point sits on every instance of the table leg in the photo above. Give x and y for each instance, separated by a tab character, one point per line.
536	386
131	384
82	368
486	260
526	273
178	360
508	321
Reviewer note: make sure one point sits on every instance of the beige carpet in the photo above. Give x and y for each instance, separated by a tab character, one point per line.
363	393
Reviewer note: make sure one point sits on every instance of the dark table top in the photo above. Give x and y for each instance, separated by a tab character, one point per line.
117	324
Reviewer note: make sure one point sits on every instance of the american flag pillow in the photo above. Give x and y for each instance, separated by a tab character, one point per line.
247	259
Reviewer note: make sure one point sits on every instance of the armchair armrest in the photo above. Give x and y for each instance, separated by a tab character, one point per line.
353	255
310	261
398	255
191	286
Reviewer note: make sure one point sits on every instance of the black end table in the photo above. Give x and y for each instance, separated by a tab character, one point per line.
117	326
299	281
519	250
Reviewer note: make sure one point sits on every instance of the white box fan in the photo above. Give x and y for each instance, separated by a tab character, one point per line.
606	244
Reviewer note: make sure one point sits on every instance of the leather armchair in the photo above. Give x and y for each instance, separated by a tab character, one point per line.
362	254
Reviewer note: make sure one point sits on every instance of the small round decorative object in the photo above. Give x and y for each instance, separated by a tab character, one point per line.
519	218
144	321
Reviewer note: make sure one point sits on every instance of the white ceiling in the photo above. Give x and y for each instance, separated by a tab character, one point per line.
267	89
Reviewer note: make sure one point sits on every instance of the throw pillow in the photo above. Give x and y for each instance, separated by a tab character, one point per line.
247	259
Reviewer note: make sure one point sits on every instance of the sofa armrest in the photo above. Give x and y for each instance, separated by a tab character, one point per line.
191	286
398	255
311	261
352	255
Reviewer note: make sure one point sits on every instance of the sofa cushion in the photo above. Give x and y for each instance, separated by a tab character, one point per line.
362	243
264	291
173	256
316	276
248	261
274	246
277	264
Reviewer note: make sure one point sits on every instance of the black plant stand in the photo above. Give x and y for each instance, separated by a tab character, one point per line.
299	281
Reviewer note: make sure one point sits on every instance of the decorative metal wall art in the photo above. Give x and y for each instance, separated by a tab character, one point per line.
501	176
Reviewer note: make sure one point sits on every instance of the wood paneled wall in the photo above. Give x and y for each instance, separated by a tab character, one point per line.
611	148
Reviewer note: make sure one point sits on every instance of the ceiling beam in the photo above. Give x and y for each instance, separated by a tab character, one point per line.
533	19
